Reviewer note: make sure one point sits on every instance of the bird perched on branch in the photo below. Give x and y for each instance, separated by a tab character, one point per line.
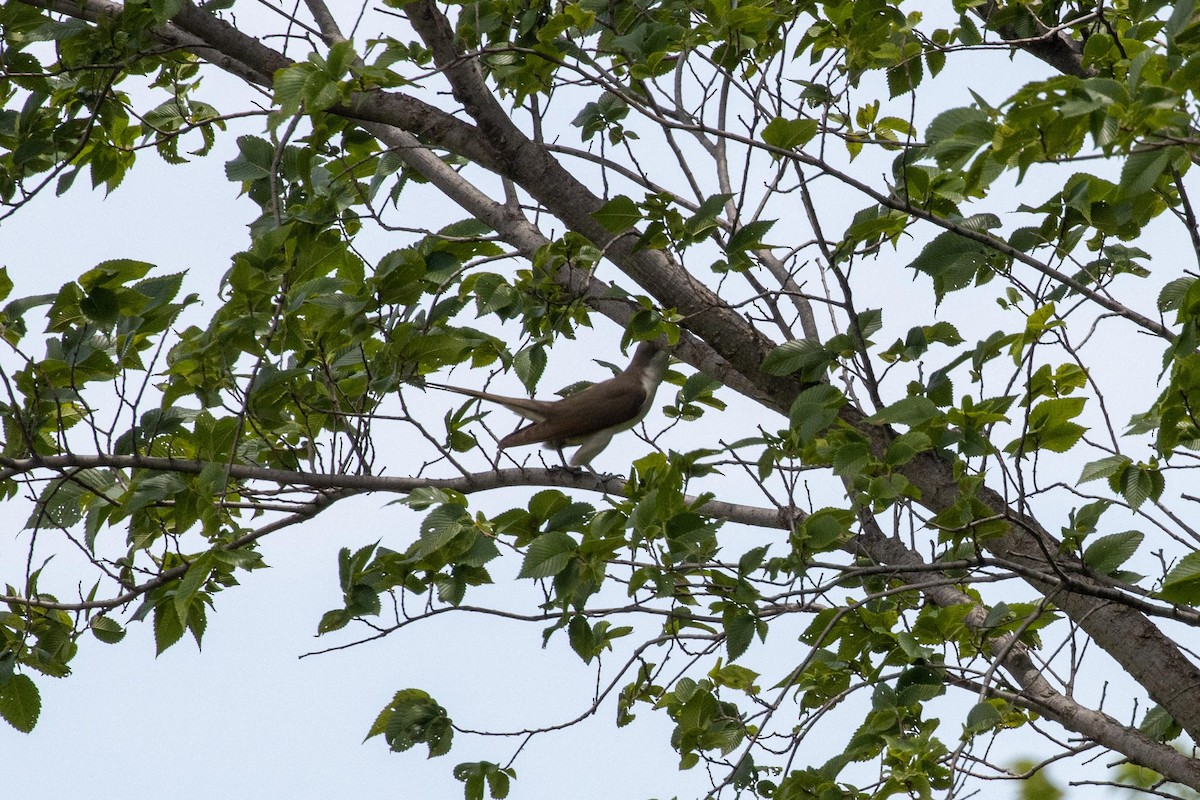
591	416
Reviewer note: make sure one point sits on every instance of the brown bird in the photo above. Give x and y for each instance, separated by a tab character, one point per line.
589	417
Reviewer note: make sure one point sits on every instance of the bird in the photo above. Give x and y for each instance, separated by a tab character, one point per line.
588	418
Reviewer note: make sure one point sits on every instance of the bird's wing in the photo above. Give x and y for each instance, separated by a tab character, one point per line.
525	406
602	405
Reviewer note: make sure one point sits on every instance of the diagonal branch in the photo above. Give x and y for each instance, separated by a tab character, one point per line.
1013	656
1150	656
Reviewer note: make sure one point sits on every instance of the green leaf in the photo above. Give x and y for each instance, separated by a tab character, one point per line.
1141	171
739	632
704	220
548	555
1138	483
195	577
954	261
905	446
168	627
795	356
1102	468
530	363
1050	426
911	648
618	215
548	502
440	527
498	783
20	702
1172	295
106	629
413	717
339	59
1182	583
905	78
787	134
911	411
1107	553
1159	725
1181	16
253	162
749	236
579	633
982	717
814	410
998	614
735	676
936	60
825	528
475	775
751	560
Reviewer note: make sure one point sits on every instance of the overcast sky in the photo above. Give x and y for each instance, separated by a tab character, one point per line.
247	714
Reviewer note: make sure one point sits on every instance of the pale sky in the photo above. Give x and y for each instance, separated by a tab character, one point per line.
247	716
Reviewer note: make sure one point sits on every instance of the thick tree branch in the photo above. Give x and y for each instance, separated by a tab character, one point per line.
1055	47
535	169
1014	657
495	143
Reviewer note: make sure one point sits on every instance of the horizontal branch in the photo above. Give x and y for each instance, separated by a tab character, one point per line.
470	483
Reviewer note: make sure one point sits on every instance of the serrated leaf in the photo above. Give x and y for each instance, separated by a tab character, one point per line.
912	648
413	716
618	215
197	573
439	528
749	235
787	134
997	615
1182	583
1159	725
982	717
796	355
334	620
548	555
904	78
814	410
739	632
825	528
1050	426
734	676
530	363
1107	553
1171	295
579	633
935	59
254	161
751	560
1137	484
498	784
910	411
20	703
106	629
1141	171
953	261
547	503
1102	468
168	628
